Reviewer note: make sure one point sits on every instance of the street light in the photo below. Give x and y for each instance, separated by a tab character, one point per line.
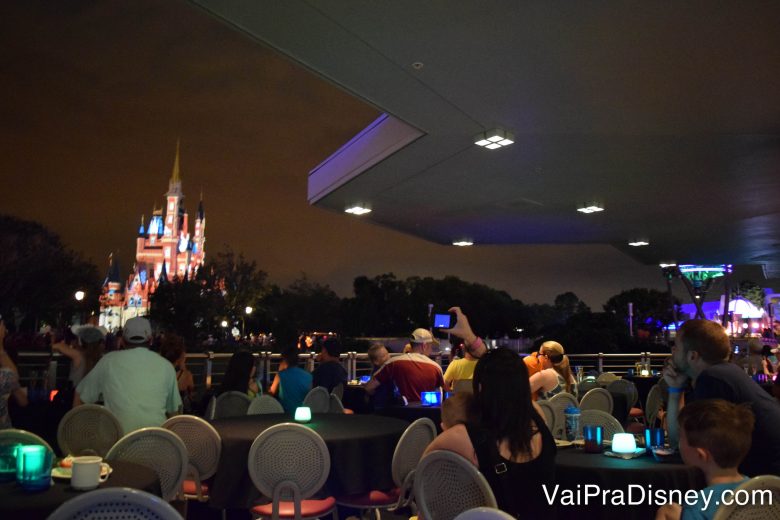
224	324
79	295
248	311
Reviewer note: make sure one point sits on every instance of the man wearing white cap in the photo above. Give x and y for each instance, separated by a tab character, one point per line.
136	384
411	373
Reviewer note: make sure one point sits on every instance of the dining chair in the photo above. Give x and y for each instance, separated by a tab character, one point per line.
628	388
289	463
338	391
587	384
204	447
549	414
597	399
88	429
406	456
606	378
14	436
264	404
763	504
335	405
446	485
559	403
231	404
318	400
463	385
484	513
116	503
158	449
653	404
610	425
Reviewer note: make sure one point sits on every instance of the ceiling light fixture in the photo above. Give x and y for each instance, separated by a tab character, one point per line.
664	266
639	243
494	139
358	210
463	243
591	208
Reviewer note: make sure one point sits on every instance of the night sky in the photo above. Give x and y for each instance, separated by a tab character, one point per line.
94	95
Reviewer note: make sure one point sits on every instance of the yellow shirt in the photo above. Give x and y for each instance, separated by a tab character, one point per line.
460	369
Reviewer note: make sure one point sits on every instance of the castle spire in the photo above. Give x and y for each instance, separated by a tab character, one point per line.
175	175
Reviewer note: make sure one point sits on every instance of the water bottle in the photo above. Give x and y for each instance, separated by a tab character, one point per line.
572	414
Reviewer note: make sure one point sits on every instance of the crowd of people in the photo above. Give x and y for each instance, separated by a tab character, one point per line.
721	420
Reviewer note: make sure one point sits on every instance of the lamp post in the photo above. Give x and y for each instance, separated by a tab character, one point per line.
247	312
79	296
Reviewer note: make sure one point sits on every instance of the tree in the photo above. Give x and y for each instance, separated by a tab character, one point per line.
650	308
567	305
39	276
750	291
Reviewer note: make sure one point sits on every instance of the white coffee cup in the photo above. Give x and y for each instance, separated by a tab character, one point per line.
85	473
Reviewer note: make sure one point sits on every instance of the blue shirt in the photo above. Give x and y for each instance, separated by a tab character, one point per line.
715	493
294	384
137	385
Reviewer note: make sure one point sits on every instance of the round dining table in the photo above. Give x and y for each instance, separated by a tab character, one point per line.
38	505
633	480
361	451
413	411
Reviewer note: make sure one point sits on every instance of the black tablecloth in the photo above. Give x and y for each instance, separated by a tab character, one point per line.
412	412
577	468
619	407
16	503
361	451
357	399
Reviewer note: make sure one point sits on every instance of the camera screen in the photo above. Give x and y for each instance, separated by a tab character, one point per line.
441	321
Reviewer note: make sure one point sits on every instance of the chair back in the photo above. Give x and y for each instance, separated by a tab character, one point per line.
653	404
484	513
338	391
204	446
410	449
14	436
264	404
446	484
88	429
463	385
610	425
157	449
116	503
549	414
587	384
318	400
606	378
335	405
626	387
559	402
231	404
597	399
271	467
762	495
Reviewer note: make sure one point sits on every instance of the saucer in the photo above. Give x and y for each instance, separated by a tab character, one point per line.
560	443
637	453
66	473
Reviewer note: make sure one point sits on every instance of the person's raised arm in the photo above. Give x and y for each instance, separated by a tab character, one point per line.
677	383
462	329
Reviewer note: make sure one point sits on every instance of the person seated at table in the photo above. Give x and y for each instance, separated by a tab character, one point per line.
9	382
463	369
84	352
330	372
456	410
173	349
700	355
137	385
411	373
383	395
291	383
240	375
378	355
714	437
507	438
545	366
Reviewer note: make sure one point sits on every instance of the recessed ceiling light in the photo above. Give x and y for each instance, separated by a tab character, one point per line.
591	208
494	139
358	210
639	243
463	243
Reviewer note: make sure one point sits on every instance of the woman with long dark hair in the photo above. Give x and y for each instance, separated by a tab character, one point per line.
506	438
239	375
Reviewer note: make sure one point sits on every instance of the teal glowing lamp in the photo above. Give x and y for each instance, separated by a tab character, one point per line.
8	462
33	467
623	443
431	398
303	414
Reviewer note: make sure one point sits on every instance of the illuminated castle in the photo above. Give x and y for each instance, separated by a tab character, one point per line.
165	252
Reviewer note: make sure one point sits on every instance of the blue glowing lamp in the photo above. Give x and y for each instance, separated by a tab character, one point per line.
303	414
431	398
33	467
623	443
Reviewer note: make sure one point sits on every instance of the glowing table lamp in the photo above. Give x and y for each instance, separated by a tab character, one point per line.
431	398
303	414
33	467
623	443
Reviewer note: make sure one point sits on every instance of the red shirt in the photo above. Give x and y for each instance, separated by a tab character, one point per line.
412	373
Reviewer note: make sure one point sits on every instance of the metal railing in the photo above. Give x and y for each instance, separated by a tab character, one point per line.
40	369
